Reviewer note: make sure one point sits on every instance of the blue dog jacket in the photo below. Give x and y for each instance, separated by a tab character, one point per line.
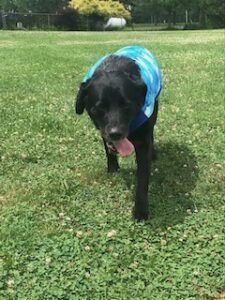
150	74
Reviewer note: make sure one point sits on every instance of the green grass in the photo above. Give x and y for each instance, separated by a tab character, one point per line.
66	230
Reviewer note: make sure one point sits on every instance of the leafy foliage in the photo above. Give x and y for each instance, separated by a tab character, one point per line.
109	8
207	12
50	6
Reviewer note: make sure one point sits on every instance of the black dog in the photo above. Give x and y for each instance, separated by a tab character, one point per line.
114	93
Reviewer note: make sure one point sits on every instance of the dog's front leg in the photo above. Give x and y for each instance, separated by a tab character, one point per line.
143	158
112	162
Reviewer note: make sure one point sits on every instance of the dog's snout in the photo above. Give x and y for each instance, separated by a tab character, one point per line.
115	134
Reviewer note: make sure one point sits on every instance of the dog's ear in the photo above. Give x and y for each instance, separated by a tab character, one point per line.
81	99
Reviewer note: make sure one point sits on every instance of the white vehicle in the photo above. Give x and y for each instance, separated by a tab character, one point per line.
115	23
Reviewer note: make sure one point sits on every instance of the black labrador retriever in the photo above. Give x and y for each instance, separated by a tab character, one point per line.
120	95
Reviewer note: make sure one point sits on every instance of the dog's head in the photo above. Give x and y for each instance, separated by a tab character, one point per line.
112	100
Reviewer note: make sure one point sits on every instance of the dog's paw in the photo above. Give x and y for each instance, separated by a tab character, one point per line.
113	169
140	215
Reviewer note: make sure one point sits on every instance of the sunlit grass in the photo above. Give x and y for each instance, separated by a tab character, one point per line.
66	230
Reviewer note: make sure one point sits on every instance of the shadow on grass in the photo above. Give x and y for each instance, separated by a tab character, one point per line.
174	176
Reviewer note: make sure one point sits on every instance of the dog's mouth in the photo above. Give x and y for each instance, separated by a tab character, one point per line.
124	147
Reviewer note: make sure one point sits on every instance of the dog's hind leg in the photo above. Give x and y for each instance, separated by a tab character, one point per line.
112	161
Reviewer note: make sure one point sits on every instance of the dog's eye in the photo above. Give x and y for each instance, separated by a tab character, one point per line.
93	110
96	108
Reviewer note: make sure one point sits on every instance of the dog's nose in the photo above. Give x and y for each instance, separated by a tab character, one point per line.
115	134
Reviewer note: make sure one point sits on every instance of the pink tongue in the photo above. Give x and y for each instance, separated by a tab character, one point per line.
124	147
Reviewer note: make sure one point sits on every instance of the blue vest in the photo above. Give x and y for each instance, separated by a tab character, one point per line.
150	74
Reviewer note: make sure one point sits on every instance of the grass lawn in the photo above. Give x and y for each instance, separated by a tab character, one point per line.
66	230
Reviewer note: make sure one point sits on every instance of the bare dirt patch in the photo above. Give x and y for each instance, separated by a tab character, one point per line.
3	200
221	296
7	44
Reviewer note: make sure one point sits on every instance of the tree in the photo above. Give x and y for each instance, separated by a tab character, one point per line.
50	6
107	8
211	12
147	10
216	13
171	8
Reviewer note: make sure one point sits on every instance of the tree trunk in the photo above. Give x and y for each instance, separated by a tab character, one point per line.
202	18
4	25
169	21
174	17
